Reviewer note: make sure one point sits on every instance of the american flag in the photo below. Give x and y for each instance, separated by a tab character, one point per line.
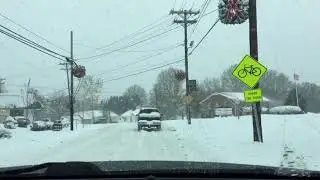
296	77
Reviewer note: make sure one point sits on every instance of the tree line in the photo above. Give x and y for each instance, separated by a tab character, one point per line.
168	92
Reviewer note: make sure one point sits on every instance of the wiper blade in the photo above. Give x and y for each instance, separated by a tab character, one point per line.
57	169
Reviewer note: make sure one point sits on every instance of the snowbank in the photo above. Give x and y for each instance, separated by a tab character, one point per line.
286	110
27	147
4	134
230	140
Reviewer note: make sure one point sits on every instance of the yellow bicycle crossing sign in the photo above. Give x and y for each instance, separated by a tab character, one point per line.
249	71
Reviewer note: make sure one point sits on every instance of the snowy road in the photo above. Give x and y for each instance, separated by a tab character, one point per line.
120	142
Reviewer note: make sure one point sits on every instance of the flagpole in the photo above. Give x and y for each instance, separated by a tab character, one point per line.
296	77
297	97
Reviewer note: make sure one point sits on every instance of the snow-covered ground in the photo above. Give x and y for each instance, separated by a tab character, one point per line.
226	139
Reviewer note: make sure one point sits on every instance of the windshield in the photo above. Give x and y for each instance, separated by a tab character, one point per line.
230	81
148	111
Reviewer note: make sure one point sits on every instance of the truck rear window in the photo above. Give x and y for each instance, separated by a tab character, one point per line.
148	111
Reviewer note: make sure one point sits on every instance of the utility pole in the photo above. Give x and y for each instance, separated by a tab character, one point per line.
67	71
27	99
71	81
92	111
185	14
2	85
256	108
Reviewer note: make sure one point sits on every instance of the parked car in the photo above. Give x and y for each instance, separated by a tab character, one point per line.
38	126
48	123
10	123
57	125
22	121
65	122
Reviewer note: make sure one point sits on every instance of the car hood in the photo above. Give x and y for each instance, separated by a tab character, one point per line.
160	167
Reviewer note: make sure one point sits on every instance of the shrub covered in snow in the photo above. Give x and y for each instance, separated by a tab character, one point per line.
286	110
5	134
9	125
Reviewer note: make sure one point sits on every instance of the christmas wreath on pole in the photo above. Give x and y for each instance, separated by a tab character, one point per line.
79	71
233	11
180	75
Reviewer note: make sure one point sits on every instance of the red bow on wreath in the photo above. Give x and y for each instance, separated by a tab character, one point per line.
79	71
233	11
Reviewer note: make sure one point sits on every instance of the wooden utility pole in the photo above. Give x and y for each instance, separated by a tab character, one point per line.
256	108
2	85
185	14
71	81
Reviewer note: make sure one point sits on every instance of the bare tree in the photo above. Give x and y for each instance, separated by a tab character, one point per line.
58	104
89	93
168	93
136	94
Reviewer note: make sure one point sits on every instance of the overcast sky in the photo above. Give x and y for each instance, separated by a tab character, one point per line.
288	32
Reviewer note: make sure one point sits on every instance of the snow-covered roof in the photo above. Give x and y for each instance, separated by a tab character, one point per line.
127	113
112	114
135	112
90	114
10	99
235	96
130	113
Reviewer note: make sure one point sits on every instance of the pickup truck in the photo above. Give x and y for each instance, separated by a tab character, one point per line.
149	117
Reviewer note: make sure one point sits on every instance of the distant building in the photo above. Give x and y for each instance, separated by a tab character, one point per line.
11	105
227	104
97	116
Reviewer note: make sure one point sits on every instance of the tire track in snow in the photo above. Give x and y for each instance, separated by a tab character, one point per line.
303	142
189	147
121	142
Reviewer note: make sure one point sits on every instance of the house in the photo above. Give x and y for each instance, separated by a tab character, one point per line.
113	117
90	117
127	116
130	115
97	116
11	105
227	104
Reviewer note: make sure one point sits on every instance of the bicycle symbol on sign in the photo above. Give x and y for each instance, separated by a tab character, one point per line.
249	70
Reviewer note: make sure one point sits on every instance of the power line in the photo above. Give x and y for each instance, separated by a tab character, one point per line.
140	60
28	44
141	71
210	12
124	47
32	42
40	87
139	31
130	50
134	39
204	36
37	35
203	10
144	71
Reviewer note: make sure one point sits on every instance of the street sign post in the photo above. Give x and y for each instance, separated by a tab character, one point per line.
249	71
188	99
192	85
252	96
